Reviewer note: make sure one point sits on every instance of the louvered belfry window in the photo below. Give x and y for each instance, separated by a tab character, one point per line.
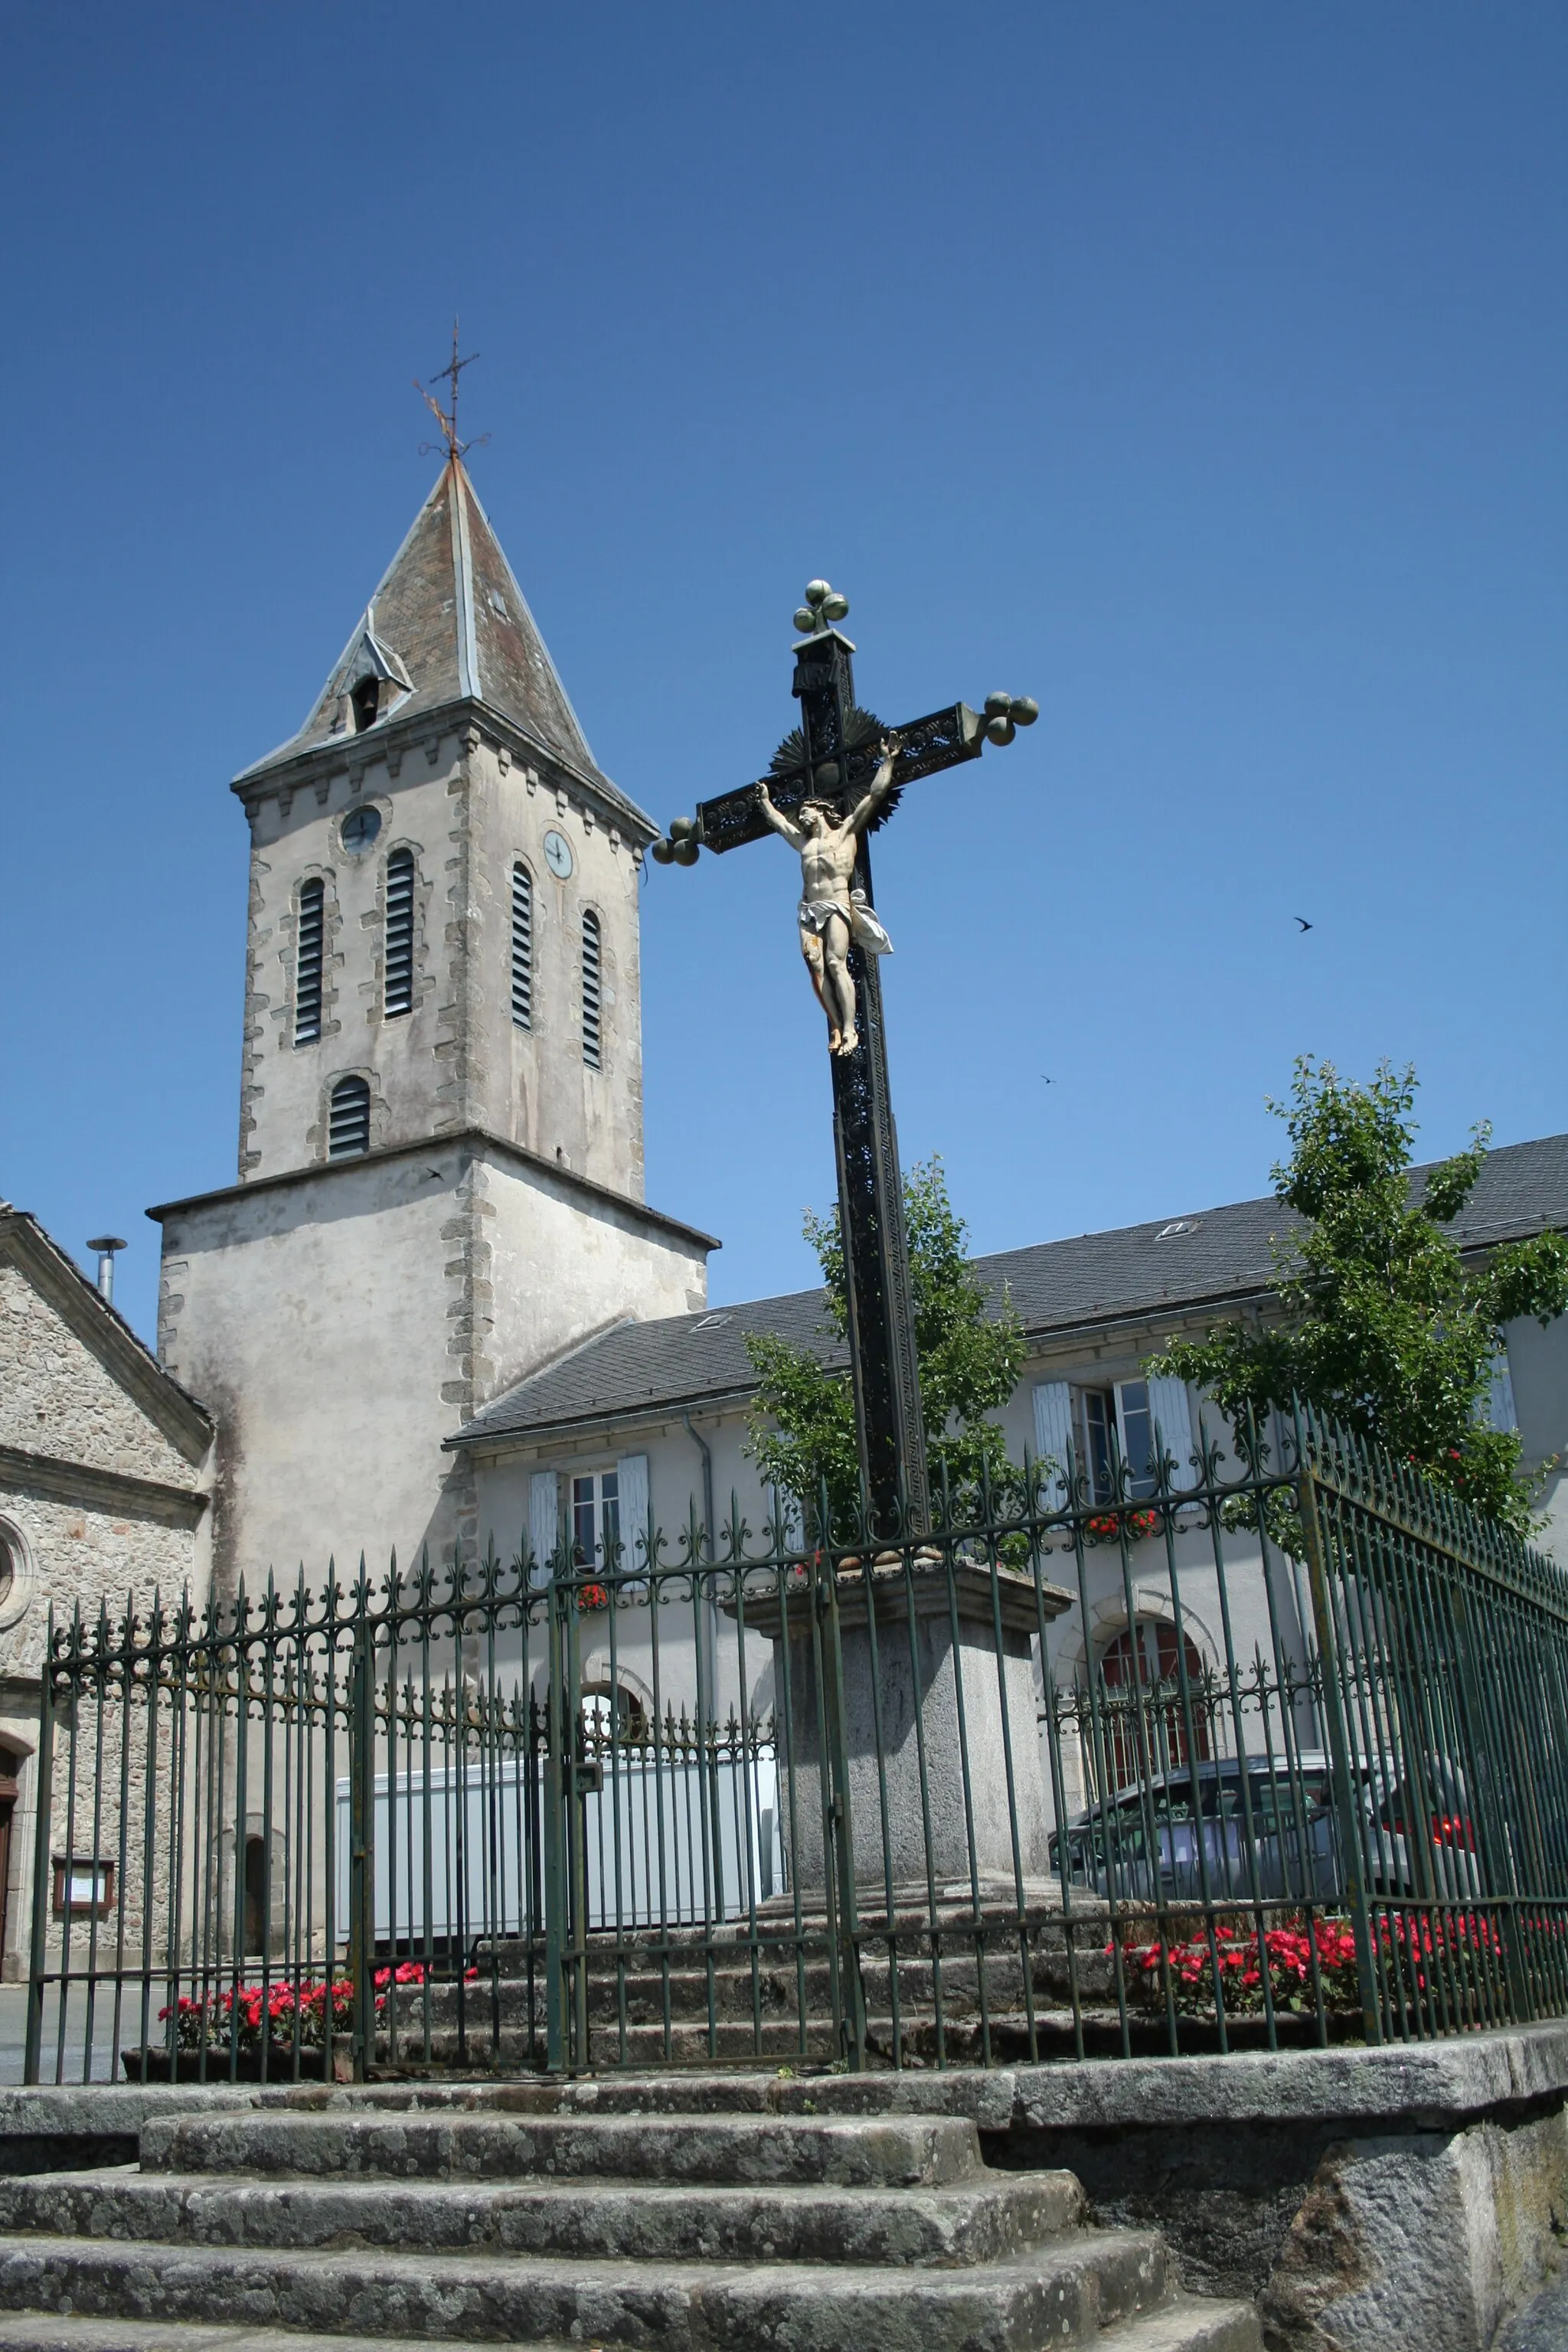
307	965
348	1133
397	993
521	947
593	992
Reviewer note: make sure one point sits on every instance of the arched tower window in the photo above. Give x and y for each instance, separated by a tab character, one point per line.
593	990
308	964
347	1132
521	947
397	990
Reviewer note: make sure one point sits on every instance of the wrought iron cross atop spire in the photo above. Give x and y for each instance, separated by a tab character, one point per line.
447	418
836	757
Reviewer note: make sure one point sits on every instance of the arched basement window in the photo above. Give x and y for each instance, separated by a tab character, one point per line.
347	1132
593	990
397	992
521	947
307	965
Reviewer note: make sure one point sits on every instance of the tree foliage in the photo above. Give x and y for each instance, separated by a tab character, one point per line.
1380	1325
803	1420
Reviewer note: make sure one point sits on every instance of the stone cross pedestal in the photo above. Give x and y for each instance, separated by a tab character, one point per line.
937	1672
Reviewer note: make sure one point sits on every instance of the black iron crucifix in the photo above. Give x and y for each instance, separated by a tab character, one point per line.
832	756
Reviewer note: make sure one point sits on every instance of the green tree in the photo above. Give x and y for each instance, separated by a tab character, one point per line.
1379	1325
803	1420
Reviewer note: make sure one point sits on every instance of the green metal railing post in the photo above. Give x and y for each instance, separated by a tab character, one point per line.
361	1846
837	1730
1341	1760
43	1841
554	1860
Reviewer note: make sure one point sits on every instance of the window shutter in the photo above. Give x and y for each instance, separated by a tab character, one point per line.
593	992
632	1470
1053	1435
1173	1415
522	948
1500	1407
348	1121
544	1521
398	993
308	955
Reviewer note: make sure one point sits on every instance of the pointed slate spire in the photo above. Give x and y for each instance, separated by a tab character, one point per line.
448	624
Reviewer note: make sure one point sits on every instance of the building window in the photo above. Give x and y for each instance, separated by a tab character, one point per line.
397	989
612	1713
596	1518
1115	1426
1142	1710
593	992
349	1129
367	701
522	948
308	964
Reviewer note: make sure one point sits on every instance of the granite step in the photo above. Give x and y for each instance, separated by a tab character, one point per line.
843	2153
1187	2325
46	2331
1066	2293
948	2228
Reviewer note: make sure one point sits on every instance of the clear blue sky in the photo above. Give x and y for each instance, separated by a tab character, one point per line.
1198	369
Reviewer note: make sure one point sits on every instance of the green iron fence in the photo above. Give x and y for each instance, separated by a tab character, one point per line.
1265	1748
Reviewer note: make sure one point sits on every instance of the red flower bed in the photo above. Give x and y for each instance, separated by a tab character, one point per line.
319	2008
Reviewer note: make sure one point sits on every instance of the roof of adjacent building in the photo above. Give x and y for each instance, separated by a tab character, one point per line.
450	623
1184	1262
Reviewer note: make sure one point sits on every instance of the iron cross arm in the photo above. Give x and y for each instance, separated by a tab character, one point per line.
944	738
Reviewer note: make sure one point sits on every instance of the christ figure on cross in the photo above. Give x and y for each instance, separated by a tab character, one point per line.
831	913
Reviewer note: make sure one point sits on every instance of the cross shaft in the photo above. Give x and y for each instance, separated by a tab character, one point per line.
837	760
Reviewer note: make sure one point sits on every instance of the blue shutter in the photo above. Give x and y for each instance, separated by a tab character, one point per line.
1053	1435
1172	1413
632	1474
544	1521
1499	1408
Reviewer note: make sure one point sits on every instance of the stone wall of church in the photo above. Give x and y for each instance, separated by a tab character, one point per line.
469	812
340	1326
58	1398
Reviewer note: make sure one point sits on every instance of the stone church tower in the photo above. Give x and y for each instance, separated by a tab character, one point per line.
440	1152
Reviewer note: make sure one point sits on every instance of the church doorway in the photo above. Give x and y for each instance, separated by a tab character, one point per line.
10	1768
254	1894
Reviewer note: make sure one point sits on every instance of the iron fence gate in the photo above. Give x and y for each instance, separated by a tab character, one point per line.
1267	1747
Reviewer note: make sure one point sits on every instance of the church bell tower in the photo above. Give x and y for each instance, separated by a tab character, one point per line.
440	1168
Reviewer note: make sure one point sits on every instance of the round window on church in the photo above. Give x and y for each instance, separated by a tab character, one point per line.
7	1570
360	828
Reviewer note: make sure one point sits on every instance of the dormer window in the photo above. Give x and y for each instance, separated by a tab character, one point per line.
367	701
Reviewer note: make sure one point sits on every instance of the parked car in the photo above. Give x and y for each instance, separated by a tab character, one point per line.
1268	1832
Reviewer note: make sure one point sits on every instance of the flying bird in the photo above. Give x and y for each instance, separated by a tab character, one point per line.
1051	1082
1306	926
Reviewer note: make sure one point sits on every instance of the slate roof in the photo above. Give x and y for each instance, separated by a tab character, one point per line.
449	620
1136	1271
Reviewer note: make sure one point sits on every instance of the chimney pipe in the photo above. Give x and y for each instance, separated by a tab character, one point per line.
106	1245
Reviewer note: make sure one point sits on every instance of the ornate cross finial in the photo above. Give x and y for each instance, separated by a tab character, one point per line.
447	419
823	607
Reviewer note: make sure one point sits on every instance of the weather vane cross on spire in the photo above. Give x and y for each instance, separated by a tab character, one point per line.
447	418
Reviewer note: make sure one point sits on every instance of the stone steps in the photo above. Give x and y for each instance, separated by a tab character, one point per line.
717	2215
1063	2294
951	2228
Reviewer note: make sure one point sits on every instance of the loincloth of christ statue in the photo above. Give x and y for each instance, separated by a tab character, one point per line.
831	912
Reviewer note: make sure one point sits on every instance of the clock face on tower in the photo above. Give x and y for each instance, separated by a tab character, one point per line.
558	855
